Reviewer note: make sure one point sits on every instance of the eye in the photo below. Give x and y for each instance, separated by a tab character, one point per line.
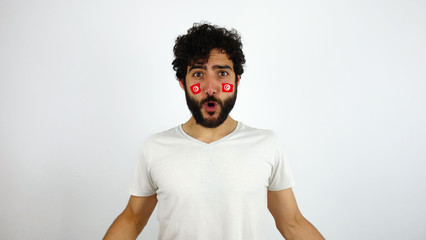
197	74
223	73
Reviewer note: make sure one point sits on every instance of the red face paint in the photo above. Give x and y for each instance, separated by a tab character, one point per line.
195	89
227	87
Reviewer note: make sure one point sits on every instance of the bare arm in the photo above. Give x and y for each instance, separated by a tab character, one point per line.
133	219
288	219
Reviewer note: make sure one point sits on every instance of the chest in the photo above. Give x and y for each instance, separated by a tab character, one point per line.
205	172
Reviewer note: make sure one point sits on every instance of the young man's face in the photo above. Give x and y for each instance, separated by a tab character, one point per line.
211	89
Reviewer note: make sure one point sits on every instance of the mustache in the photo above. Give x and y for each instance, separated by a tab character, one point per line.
209	99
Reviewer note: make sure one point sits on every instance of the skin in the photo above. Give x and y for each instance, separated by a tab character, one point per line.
210	77
288	218
282	204
132	220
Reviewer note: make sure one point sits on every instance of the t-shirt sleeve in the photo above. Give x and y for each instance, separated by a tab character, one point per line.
141	183
281	176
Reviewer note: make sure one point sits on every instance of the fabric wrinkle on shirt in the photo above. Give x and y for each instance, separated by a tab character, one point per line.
211	191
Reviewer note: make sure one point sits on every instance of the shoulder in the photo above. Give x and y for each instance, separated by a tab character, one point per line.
164	138
258	134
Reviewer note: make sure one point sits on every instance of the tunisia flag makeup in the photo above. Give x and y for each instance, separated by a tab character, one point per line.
195	89
227	87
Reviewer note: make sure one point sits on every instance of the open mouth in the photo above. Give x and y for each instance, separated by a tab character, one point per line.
210	106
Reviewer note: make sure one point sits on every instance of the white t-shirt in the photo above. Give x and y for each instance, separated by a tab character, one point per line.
211	191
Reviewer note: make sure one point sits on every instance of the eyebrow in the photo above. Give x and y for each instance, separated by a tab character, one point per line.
197	67
205	68
222	67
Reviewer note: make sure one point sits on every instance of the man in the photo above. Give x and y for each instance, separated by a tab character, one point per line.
213	177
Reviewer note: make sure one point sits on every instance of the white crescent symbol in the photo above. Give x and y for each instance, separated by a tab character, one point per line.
195	88
227	87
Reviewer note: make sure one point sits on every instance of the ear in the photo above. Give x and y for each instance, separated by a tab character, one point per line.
238	79
181	84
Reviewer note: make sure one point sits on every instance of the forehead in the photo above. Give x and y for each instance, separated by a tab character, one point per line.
216	57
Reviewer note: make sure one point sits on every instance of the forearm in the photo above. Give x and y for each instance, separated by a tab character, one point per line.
300	230
124	227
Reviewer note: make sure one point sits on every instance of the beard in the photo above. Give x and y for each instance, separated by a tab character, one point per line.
225	108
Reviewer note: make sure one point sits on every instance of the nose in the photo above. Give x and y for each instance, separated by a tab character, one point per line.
211	85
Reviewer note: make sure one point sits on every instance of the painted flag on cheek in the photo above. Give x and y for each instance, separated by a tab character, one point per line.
195	89
227	87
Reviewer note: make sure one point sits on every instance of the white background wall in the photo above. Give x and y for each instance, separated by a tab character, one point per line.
83	83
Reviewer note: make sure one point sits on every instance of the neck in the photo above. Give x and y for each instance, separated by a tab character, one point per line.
209	135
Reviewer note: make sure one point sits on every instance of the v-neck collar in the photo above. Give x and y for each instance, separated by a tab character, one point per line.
186	135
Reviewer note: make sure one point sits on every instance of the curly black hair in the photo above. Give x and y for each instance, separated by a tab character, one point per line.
200	39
